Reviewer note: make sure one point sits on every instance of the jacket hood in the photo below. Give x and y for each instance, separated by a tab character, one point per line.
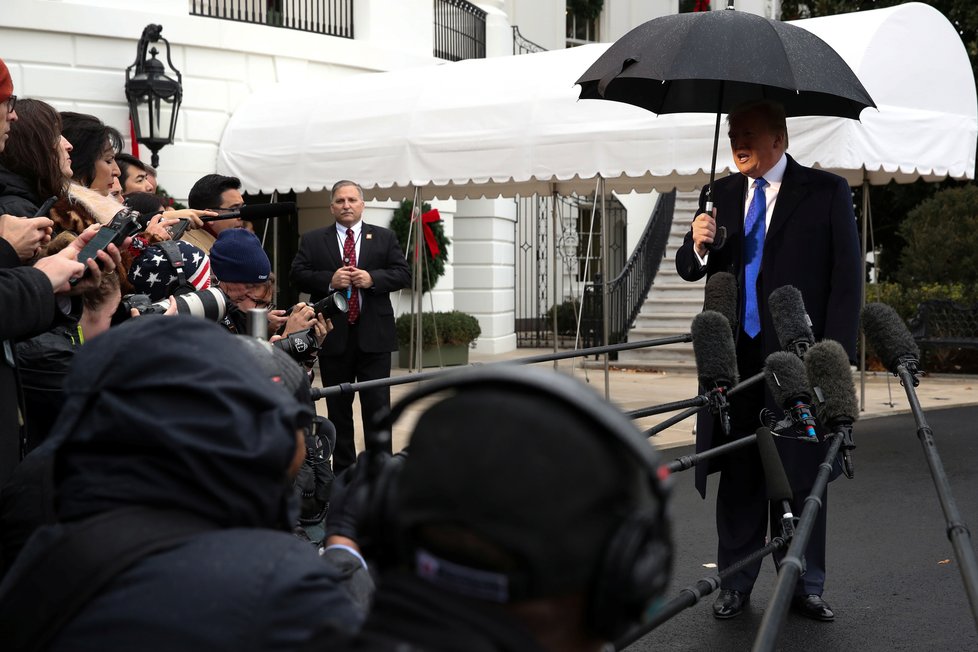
174	413
15	186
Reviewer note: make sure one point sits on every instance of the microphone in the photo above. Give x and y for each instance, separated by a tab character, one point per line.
721	295
791	321
888	335
252	212
716	360
788	382
776	480
827	364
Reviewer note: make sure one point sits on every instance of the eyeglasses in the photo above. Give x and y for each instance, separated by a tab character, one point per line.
11	103
260	303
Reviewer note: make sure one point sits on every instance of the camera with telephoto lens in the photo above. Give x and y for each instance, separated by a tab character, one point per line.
210	304
302	346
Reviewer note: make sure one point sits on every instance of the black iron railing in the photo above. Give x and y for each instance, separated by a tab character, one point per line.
332	17
460	30
629	289
523	45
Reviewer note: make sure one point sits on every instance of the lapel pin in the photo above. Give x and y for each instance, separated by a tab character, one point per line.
370	236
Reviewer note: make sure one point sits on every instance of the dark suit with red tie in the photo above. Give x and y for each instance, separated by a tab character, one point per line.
360	351
813	245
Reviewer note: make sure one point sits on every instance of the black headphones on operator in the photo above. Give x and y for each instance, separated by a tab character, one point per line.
637	561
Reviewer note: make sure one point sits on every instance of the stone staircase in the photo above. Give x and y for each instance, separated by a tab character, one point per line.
670	307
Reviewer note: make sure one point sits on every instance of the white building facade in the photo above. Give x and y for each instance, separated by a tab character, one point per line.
73	54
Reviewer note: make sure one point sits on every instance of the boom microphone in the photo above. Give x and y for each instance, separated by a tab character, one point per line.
890	338
828	370
721	295
716	360
776	480
252	212
791	321
788	382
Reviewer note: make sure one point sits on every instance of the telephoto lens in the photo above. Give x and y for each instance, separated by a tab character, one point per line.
210	304
331	305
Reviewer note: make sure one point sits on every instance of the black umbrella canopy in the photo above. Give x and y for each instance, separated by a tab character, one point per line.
709	62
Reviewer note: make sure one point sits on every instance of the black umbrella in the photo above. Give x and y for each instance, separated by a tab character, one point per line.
711	61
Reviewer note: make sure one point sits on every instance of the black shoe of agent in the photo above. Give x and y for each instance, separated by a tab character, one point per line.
729	603
814	607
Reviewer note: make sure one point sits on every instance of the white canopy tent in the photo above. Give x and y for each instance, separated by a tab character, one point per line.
513	125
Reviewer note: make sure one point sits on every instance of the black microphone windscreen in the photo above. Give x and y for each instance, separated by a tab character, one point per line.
789	315
713	348
720	295
786	378
778	486
263	211
888	335
828	369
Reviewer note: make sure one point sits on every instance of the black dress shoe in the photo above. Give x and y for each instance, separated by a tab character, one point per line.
814	607
729	604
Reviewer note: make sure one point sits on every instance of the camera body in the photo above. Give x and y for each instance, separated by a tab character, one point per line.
302	346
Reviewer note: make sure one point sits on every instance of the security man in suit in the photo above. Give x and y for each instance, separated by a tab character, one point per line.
787	225
367	263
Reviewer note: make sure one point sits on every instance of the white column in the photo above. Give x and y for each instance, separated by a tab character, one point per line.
485	272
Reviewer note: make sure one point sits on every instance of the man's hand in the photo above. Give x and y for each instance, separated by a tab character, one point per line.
303	316
321	328
704	230
156	230
26	234
343	277
360	278
191	215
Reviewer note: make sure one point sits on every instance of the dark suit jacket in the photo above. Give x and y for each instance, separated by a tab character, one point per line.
319	256
811	244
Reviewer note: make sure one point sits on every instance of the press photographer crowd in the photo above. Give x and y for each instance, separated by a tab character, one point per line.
167	483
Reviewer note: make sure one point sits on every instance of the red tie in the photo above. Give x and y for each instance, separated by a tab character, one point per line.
350	258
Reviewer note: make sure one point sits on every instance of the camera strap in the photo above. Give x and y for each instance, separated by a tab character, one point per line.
81	559
175	257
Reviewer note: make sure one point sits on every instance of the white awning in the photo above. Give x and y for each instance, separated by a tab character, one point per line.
513	125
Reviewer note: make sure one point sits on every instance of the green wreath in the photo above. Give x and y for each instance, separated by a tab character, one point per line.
588	9
434	265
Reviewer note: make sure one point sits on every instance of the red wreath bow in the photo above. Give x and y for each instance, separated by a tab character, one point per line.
429	236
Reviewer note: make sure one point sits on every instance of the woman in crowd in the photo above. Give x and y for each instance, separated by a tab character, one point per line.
36	163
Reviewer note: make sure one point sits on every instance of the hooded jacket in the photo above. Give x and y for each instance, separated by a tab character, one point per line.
173	413
16	196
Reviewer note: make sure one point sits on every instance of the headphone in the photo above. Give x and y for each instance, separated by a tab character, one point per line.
636	563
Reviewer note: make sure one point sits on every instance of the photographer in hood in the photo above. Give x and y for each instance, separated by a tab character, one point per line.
172	470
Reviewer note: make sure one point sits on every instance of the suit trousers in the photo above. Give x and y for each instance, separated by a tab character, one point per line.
354	365
743	513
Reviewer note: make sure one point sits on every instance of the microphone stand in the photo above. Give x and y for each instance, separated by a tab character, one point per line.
792	564
687	462
690	595
957	529
673	420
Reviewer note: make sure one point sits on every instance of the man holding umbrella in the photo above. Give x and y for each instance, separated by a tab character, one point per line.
786	225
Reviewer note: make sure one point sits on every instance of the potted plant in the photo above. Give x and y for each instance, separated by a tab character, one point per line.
445	338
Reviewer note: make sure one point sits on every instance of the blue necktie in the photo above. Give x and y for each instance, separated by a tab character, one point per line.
753	248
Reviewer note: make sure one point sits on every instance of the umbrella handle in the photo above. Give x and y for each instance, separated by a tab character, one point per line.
721	237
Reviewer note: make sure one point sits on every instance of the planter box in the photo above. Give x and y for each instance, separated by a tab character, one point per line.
451	355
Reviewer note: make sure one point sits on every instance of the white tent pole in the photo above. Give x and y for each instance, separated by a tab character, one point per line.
416	286
605	298
553	255
862	336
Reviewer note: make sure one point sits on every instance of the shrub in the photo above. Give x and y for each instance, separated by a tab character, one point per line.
942	239
453	328
566	317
